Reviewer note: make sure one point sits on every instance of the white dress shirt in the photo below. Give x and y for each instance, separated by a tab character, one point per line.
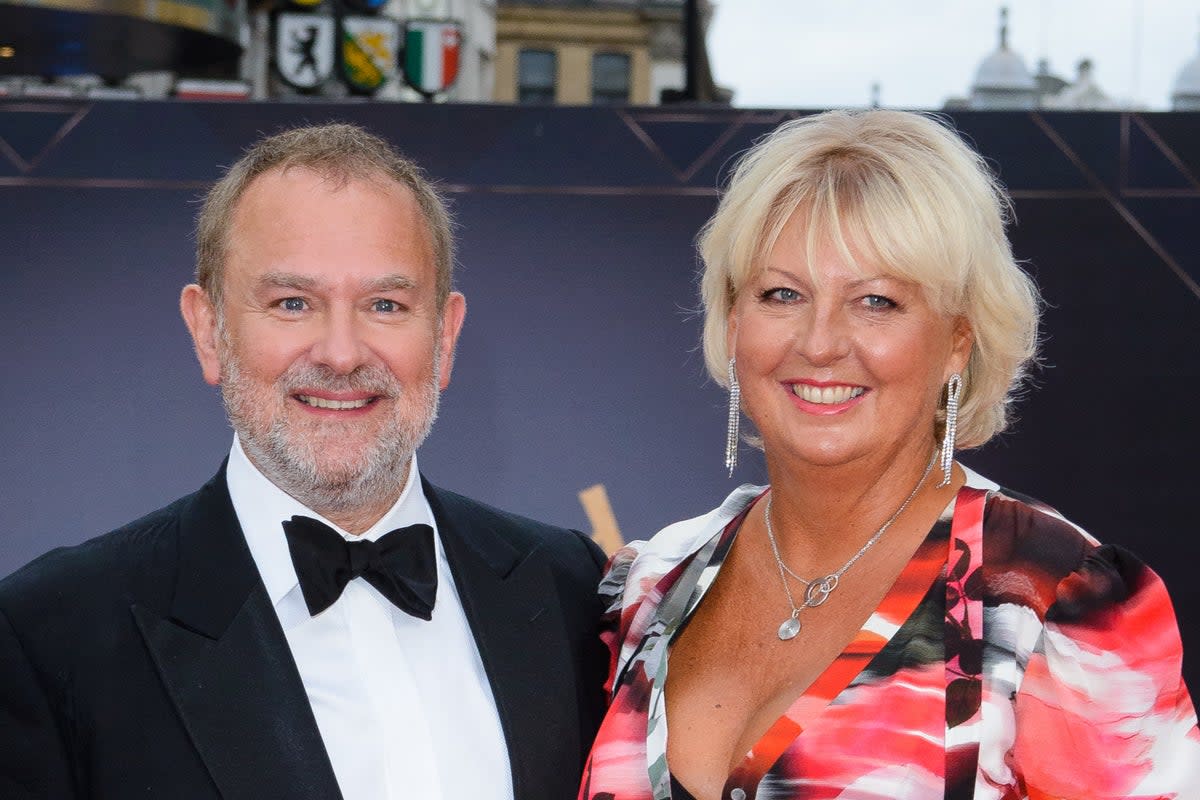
403	705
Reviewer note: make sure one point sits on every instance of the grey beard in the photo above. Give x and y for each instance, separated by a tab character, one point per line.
289	459
381	472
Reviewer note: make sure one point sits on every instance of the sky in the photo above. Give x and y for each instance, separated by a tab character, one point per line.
828	53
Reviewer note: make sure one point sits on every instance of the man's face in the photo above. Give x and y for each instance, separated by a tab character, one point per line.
330	349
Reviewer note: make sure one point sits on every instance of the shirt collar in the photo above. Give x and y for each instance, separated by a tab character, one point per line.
262	507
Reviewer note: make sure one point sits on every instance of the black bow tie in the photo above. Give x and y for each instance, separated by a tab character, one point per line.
401	565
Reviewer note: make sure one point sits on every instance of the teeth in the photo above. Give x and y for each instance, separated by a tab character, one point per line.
826	395
321	402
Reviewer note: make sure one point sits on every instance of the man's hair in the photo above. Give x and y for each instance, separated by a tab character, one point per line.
338	152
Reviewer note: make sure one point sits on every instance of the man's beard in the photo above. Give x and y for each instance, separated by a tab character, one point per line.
297	456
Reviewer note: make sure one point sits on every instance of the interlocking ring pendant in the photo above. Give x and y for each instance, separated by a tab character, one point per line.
818	591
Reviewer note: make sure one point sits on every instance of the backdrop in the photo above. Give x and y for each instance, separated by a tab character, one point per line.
579	362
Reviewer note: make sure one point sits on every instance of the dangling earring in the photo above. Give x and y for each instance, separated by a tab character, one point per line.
953	390
735	415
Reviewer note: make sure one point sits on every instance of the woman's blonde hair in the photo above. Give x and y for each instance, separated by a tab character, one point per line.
904	192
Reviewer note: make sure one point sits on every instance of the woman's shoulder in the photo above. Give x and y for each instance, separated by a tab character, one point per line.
1028	546
638	566
1036	559
1094	636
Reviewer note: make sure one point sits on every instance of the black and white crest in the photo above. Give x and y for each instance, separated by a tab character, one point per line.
304	48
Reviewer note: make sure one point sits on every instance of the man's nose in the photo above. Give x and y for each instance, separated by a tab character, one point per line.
340	345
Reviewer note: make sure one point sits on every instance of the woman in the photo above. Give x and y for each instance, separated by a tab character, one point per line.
880	622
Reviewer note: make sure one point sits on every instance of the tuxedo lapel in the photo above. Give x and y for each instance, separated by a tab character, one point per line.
226	664
511	605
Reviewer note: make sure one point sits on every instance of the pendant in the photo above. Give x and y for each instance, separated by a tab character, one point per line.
789	628
818	591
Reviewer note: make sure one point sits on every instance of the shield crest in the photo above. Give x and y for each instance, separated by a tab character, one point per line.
369	51
431	54
304	48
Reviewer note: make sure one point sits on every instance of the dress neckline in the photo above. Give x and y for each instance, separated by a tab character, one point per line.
908	589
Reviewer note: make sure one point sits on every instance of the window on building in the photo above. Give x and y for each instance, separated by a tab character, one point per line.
536	76
610	78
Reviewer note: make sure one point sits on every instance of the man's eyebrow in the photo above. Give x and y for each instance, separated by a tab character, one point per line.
305	283
287	280
389	283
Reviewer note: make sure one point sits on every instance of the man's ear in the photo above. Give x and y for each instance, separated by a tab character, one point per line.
201	319
453	314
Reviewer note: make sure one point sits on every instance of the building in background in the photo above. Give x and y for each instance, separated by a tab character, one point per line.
1185	94
581	52
572	52
1002	80
1082	95
67	48
240	49
1003	83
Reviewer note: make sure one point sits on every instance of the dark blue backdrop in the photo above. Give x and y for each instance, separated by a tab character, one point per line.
579	361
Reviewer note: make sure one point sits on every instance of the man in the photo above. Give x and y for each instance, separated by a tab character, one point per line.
317	621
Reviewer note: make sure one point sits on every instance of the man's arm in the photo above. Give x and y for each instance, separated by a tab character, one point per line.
33	762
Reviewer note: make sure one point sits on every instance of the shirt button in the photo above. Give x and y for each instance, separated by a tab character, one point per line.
738	794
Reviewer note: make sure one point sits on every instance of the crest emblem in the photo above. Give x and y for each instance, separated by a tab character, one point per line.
304	48
431	51
369	51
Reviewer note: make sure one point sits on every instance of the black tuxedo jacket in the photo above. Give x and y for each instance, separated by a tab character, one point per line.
149	662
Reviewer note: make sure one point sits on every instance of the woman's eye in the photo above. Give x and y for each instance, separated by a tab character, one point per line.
781	295
385	306
878	302
292	304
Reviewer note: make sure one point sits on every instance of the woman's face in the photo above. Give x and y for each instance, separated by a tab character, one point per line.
844	368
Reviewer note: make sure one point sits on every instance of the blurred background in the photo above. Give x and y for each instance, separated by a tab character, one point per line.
582	143
1053	54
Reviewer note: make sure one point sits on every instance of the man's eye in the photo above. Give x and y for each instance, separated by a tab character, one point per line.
386	306
292	304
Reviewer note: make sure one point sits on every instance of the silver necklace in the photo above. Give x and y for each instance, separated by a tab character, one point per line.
817	591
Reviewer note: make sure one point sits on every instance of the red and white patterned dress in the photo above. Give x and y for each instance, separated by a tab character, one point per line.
1014	657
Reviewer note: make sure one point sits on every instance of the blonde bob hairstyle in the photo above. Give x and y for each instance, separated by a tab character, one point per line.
892	191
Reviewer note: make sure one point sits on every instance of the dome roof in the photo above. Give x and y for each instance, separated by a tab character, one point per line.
1003	69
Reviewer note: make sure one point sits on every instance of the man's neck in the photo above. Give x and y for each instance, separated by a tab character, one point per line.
358	521
354	509
360	517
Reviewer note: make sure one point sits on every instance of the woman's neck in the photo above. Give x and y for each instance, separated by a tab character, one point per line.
822	515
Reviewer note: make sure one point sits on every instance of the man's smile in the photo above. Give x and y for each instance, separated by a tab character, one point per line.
333	404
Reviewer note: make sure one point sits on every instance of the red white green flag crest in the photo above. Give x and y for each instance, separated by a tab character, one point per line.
431	54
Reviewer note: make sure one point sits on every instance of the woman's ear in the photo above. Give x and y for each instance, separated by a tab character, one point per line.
961	343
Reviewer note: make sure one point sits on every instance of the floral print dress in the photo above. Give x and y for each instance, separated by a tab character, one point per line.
1014	657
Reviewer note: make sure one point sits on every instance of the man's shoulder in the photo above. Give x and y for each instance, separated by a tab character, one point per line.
521	532
499	518
67	578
